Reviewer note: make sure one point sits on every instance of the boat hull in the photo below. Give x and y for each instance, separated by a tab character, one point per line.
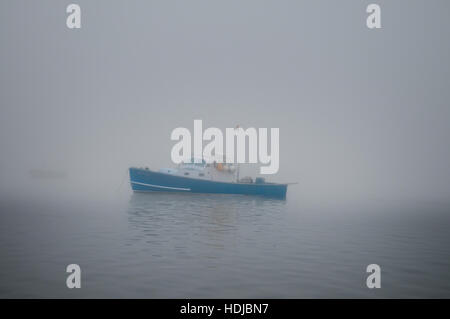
144	180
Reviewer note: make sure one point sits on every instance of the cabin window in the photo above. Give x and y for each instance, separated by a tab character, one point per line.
201	174
186	173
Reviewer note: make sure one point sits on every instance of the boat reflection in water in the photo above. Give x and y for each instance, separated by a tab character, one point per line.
197	245
209	219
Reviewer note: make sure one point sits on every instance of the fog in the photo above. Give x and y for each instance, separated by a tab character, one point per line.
363	114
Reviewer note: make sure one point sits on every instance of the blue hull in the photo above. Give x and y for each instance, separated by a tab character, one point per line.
145	180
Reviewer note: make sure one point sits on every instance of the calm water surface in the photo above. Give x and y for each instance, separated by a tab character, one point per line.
214	246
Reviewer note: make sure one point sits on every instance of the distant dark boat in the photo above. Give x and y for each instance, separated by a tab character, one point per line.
47	174
214	178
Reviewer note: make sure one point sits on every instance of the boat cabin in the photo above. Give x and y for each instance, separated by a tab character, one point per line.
221	172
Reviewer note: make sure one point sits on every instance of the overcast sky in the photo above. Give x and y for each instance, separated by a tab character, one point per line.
362	113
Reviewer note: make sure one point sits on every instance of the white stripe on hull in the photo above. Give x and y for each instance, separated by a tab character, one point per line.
159	186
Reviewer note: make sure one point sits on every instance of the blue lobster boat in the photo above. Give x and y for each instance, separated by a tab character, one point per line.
215	178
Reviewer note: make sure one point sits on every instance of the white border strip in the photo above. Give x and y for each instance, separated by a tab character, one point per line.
159	186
